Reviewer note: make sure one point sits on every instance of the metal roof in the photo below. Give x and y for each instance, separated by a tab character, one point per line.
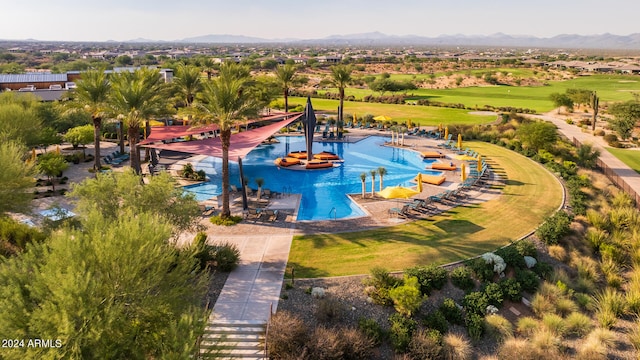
31	78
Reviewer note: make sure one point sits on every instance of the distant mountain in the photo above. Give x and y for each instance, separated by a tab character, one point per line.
143	40
225	38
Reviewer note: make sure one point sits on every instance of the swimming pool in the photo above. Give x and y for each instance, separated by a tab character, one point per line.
322	190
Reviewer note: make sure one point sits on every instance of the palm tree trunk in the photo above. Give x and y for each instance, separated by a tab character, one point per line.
121	135
286	100
340	118
97	126
133	148
225	137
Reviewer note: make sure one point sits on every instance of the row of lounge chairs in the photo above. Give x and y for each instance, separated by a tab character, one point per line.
116	158
418	206
262	214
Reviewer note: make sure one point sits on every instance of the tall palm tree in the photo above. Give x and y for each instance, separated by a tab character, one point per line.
208	66
363	178
382	171
286	76
226	101
187	83
373	181
341	77
92	95
137	97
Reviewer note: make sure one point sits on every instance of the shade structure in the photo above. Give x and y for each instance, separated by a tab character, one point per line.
463	173
382	118
446	132
397	192
419	180
459	141
309	127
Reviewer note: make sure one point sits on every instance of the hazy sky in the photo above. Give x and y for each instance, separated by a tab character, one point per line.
171	20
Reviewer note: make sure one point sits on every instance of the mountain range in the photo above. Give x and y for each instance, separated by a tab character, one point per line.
600	41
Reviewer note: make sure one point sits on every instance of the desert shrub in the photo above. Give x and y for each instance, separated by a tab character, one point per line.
511	256
461	277
475	326
565	306
527	325
558	252
476	303
528	280
357	345
436	321
225	221
372	330
451	311
326	344
610	138
578	324
456	347
494	294
599	220
527	248
634	336
429	277
606	318
584	301
554	228
545	344
400	332
541	305
511	289
482	270
226	256
407	298
612	272
14	236
378	285
287	335
498	327
596	345
425	345
515	348
610	300
329	310
554	323
542	269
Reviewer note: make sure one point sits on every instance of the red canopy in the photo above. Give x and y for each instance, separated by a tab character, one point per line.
241	143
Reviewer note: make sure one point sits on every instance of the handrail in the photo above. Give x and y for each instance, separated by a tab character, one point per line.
335	213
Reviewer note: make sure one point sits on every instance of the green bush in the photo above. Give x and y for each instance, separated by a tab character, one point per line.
498	327
407	298
511	256
429	277
482	270
511	289
527	248
475	326
372	330
451	311
401	331
225	221
494	294
610	138
554	228
226	256
475	303
543	269
436	321
378	285
14	236
528	280
461	277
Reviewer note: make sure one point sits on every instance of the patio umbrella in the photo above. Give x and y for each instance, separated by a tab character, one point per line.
463	175
479	163
459	141
382	118
419	180
397	192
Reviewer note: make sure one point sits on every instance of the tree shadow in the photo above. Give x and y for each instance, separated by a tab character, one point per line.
458	227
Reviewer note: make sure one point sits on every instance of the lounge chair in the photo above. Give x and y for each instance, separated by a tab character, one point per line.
270	215
253	213
399	212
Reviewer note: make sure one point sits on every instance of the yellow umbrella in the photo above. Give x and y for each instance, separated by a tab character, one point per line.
463	168
446	132
479	163
397	192
439	127
459	141
355	118
155	123
58	149
409	123
419	180
464	157
382	118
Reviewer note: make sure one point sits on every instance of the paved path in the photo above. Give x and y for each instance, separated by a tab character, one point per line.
254	286
631	177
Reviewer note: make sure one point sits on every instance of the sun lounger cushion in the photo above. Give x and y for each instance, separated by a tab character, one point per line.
432	179
440	166
431	155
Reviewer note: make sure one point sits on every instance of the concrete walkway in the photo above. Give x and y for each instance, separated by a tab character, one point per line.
631	177
254	286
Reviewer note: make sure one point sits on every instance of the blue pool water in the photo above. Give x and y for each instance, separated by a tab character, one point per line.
325	189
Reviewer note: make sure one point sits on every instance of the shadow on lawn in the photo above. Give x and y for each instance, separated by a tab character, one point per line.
302	272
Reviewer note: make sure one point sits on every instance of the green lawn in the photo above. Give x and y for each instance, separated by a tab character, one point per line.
423	115
530	194
609	88
629	157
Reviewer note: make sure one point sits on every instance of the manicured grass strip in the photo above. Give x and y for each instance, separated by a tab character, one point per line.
629	157
423	115
530	193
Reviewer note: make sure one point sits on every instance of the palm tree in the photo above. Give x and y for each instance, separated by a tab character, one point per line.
382	171
373	181
259	182
595	102
187	83
92	95
137	97
363	178
208	66
285	76
225	101
341	77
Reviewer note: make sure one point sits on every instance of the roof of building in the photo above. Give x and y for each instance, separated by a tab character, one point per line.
31	78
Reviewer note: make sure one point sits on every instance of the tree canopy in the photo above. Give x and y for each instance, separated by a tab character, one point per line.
626	115
537	135
16	178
